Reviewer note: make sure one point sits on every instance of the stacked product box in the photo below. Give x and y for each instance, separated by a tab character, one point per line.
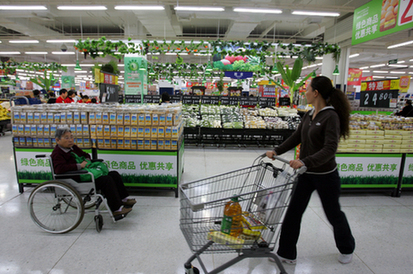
146	127
141	127
35	126
378	141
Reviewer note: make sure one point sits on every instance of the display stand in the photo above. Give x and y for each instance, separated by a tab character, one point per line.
147	168
138	168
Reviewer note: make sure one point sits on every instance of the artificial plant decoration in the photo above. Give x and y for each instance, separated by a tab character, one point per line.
111	67
291	76
45	82
260	49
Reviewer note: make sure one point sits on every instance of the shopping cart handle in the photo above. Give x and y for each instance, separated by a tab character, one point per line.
302	170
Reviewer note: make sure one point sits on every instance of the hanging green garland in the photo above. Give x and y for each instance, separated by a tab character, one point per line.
11	66
261	49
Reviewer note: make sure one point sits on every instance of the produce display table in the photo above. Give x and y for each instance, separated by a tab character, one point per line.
240	137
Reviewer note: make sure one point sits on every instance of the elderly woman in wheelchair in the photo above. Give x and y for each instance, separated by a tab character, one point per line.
57	206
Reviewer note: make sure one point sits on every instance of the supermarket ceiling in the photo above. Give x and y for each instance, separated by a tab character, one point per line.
172	24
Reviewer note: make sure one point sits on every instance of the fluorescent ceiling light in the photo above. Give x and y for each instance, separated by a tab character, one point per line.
410	72
24	41
9	52
62	41
319	58
364	68
380	71
80	71
63	52
354	55
36	7
121	65
398	72
81	8
35	52
316	13
185	8
378	76
400	44
377	66
392	77
68	65
398	66
257	10
88	65
401	62
137	7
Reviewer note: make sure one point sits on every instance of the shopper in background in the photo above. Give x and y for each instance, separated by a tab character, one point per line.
70	95
62	97
85	99
52	98
165	99
35	99
407	110
111	185
93	101
318	134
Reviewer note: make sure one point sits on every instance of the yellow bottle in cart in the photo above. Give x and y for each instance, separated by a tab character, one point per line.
232	221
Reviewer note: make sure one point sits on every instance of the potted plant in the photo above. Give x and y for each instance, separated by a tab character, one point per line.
291	76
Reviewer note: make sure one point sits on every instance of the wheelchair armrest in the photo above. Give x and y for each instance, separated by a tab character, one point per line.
96	160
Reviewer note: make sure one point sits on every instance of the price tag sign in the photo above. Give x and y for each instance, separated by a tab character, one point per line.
147	99
225	100
378	99
176	98
214	100
195	99
234	100
131	99
206	99
186	99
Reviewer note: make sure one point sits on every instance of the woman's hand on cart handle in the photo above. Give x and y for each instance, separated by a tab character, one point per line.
271	154
298	165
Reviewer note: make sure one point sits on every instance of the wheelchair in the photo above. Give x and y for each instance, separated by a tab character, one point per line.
59	205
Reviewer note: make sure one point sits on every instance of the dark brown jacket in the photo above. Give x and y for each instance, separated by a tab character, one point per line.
319	140
64	161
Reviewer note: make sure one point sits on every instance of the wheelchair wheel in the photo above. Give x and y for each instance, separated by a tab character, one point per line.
49	206
99	222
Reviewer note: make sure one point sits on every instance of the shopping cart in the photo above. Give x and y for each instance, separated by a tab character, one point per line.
263	190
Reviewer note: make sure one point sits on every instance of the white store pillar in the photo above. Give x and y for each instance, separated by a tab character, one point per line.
328	66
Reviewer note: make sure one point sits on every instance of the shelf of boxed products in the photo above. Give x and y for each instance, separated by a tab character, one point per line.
378	134
232	124
142	127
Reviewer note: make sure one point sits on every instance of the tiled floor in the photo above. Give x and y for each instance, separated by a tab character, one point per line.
149	240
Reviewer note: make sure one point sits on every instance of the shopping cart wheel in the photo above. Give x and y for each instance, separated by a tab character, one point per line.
190	269
99	223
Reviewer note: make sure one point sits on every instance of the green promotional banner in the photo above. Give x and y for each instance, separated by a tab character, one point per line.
68	82
379	18
136	75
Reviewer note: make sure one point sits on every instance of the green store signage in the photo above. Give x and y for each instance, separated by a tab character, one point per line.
369	170
381	17
136	75
68	82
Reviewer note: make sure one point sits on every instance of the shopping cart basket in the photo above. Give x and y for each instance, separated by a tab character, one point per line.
263	190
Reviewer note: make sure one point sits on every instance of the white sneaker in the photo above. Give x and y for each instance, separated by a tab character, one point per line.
345	258
283	260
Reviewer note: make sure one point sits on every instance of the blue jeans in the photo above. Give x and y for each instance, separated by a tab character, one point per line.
328	187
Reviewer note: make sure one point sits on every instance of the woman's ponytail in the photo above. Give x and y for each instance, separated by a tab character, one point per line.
336	98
